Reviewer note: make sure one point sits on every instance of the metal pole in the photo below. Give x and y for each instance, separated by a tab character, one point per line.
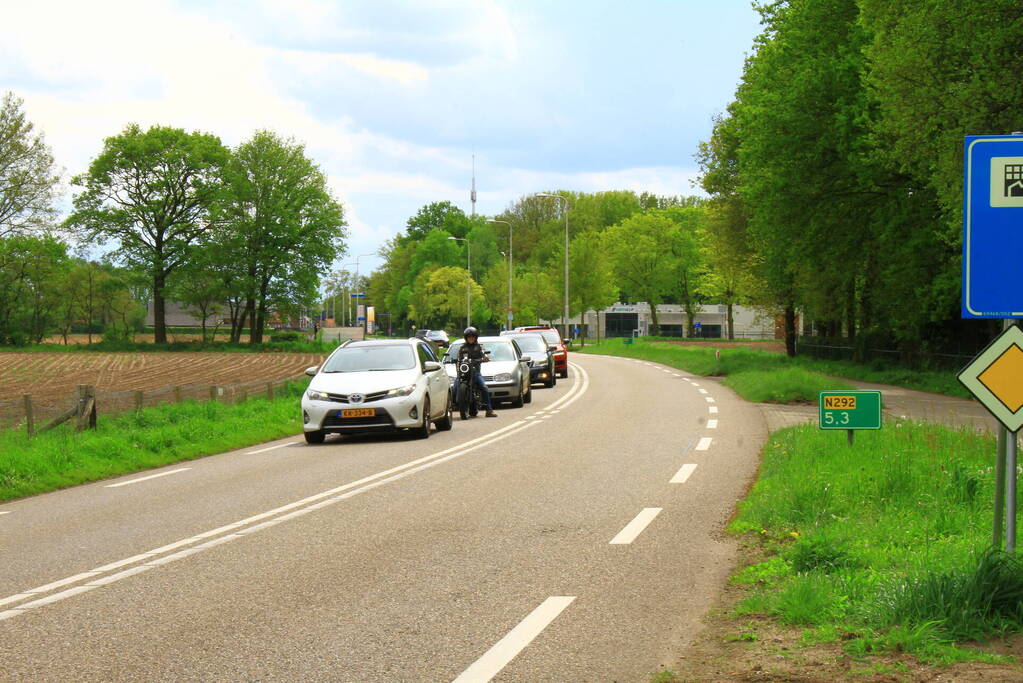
468	284
1010	492
996	536
509	315
564	318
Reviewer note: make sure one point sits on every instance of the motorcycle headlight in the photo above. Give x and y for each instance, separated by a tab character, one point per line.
402	391
503	377
317	395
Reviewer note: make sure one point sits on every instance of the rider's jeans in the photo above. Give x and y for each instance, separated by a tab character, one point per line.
484	391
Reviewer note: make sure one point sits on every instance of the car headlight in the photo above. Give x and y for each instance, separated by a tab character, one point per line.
503	377
317	395
402	391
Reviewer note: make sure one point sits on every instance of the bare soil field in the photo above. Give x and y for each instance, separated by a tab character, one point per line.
51	378
76	339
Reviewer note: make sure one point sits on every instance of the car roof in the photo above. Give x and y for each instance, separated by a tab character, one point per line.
383	342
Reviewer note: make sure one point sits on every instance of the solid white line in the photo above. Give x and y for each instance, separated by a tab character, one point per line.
295	509
712	424
506	649
704	444
270	448
151	476
683	474
703	391
635	527
712	409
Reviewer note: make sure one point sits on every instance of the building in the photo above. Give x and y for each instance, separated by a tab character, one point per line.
626	320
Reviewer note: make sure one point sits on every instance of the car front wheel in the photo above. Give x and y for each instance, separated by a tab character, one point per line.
423	430
445	423
315	437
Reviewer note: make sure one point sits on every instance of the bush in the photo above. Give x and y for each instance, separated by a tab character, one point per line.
286	336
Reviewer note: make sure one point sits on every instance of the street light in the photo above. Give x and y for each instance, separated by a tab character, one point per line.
365	311
468	279
347	307
564	319
510	314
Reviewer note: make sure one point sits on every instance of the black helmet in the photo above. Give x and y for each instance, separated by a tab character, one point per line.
470	332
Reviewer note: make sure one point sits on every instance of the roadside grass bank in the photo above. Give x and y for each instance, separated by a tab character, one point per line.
754	375
115	346
700	360
883	546
152	437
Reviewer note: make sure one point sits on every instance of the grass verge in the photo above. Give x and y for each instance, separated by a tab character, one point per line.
153	437
882	546
701	360
754	375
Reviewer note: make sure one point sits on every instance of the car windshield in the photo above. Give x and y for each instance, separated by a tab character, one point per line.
497	350
369	358
551	336
531	342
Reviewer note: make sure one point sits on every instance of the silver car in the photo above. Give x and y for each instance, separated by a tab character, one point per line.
506	374
378	385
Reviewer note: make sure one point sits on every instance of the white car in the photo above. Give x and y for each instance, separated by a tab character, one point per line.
506	374
379	385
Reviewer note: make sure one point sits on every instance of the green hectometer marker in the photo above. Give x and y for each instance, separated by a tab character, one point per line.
850	410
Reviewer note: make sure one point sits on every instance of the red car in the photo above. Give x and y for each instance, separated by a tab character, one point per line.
553	339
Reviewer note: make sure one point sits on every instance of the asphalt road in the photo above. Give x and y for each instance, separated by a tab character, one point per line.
576	539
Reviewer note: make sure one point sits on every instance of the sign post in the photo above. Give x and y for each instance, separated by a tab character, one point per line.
992	241
850	410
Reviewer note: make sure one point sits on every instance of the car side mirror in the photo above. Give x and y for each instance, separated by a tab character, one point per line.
526	359
311	371
431	366
552	347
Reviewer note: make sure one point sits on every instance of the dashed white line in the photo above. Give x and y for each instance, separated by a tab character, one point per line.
634	528
712	409
6	512
695	384
703	391
704	444
506	649
709	399
712	424
675	374
270	448
683	474
151	476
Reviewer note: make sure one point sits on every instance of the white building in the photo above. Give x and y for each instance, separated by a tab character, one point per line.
622	320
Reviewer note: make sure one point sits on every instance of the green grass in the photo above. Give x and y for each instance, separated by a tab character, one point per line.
700	360
785	385
135	441
886	541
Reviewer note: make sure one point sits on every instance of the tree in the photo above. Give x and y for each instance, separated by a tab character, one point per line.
283	227
592	276
31	269
641	257
155	192
729	280
442	216
28	177
688	262
200	287
439	297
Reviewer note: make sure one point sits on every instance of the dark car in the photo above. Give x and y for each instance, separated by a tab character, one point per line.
541	368
553	339
438	337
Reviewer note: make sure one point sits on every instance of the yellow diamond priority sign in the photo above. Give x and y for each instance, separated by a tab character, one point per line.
995	377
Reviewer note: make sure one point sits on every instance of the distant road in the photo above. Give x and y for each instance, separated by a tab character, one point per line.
579	538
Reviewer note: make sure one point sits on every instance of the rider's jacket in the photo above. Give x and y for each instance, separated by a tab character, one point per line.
472	351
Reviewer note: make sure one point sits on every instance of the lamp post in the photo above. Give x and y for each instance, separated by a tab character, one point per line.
510	315
347	307
468	279
365	311
564	318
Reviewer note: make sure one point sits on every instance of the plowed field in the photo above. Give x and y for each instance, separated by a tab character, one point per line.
52	377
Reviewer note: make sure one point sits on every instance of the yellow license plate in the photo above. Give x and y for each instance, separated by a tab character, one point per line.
840	403
359	412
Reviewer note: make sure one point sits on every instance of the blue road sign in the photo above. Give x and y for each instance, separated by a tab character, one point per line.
992	226
357	294
697	325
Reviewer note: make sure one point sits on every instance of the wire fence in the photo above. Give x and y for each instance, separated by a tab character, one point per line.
40	410
819	347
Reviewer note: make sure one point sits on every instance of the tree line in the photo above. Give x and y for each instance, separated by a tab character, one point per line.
242	232
836	172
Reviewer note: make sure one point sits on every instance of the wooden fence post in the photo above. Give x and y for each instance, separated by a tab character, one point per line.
269	389
244	396
177	394
86	407
213	392
138	400
30	422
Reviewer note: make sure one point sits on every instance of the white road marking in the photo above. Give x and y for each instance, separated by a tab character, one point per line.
635	527
293	510
675	374
704	444
530	417
712	409
151	476
703	391
695	384
506	649
683	474
712	424
709	399
6	512
270	448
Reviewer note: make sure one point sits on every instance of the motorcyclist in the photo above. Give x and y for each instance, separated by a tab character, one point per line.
472	350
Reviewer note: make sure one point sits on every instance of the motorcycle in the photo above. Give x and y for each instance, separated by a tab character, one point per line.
468	397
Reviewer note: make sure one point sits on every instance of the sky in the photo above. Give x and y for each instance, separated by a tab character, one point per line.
393	98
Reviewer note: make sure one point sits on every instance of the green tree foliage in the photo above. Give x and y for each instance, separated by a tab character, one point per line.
282	227
439	298
155	193
28	175
442	216
32	270
641	256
